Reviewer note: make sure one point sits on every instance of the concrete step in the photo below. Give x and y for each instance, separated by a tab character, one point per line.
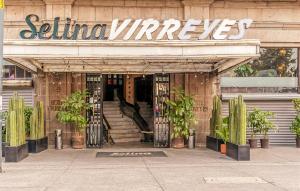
121	123
128	135
123	127
126	140
117	119
123	131
114	115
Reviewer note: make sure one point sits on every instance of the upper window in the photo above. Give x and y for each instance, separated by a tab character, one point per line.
273	62
11	72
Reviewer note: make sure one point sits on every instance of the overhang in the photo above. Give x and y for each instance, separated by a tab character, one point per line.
130	56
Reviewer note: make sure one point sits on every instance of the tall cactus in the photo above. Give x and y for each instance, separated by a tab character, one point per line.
216	117
15	122
37	127
237	121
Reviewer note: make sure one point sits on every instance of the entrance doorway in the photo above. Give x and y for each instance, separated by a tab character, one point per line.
115	118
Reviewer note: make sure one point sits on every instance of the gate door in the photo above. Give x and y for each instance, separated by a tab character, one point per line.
94	131
161	92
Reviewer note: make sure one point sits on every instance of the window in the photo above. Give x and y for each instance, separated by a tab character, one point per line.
273	62
11	71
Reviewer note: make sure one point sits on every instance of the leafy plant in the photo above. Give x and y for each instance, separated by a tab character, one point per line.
296	103
28	113
259	122
223	132
4	117
244	71
295	128
71	110
180	113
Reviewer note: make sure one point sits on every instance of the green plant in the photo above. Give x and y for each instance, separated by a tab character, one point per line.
4	117
216	116
244	71
37	127
237	121
256	120
296	103
180	113
223	132
71	110
28	113
295	127
265	125
15	122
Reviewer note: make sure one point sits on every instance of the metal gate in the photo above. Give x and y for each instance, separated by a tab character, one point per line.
94	131
161	92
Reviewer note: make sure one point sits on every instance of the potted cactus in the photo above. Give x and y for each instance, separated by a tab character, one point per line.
212	141
237	122
37	141
17	148
71	112
4	116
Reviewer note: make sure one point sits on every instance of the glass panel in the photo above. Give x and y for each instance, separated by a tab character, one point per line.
19	72
9	72
28	74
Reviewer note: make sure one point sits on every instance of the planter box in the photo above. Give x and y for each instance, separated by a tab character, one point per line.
16	154
213	143
39	145
238	152
3	149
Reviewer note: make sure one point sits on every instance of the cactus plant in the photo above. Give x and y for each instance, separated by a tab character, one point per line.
37	128
237	121
216	118
15	122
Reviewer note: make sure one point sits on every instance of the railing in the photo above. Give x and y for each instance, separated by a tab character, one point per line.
132	111
106	129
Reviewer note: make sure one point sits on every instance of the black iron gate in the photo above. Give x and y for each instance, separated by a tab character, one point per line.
94	131
161	92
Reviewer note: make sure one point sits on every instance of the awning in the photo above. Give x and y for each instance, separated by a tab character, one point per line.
130	56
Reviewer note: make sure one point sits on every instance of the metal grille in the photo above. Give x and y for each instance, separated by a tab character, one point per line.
284	115
94	84
161	123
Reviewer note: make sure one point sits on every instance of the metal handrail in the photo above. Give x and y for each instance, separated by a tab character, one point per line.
107	129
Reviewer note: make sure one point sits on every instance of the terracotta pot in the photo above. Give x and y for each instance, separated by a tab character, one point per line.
264	143
298	142
178	143
253	143
223	148
77	141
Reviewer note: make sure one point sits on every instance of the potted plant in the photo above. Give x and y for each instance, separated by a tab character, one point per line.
37	141
4	116
212	141
295	128
255	122
181	115
71	112
236	147
264	126
16	148
223	133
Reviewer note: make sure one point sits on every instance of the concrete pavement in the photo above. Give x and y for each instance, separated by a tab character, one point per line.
274	169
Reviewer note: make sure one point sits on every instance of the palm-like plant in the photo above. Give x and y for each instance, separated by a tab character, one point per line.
223	132
180	113
71	110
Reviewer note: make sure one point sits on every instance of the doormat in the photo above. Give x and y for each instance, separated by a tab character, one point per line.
132	154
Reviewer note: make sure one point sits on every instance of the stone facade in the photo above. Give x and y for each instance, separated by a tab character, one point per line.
276	24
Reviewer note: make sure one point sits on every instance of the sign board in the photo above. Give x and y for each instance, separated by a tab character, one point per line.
130	29
1	4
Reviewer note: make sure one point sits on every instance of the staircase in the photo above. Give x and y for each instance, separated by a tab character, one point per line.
146	112
123	129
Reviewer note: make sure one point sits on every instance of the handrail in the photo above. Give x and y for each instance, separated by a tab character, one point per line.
132	111
107	127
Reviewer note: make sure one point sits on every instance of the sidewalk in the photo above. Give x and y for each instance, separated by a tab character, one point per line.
275	169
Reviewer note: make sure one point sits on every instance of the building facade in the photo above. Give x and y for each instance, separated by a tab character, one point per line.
153	46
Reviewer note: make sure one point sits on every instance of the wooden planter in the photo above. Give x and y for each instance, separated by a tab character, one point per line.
16	154
238	152
3	149
39	145
213	143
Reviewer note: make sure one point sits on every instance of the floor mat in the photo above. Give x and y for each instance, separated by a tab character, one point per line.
132	154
